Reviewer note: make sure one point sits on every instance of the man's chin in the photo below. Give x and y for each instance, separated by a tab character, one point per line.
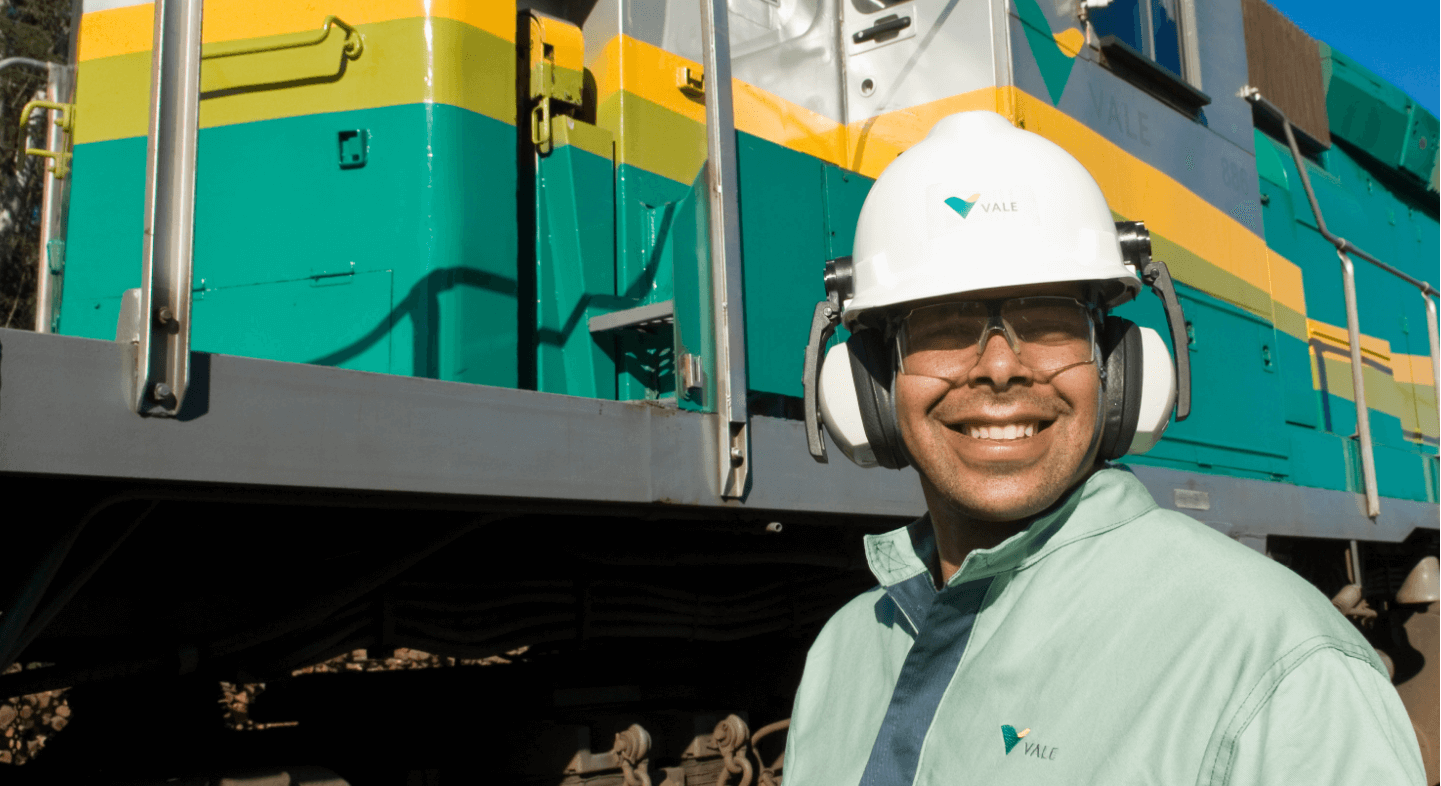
1000	497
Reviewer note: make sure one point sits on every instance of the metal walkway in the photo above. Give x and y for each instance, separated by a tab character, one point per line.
287	427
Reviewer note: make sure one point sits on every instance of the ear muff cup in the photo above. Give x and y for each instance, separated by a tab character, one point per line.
1121	354
873	370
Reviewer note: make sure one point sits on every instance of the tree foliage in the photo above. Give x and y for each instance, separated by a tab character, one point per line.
37	29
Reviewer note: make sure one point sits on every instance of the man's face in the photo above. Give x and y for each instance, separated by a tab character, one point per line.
958	436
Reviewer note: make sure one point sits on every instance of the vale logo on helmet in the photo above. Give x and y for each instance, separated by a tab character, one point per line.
987	206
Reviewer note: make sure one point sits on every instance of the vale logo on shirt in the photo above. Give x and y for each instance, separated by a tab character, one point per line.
1012	738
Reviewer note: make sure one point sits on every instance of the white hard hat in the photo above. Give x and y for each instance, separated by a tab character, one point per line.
979	204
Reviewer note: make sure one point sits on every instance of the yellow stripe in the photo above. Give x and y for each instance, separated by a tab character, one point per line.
120	31
1336	336
406	61
871	145
1134	188
632	66
1413	369
1287	287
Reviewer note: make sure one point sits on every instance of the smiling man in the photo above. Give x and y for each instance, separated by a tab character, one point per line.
1046	621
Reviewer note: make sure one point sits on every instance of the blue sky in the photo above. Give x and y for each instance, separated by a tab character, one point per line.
1397	40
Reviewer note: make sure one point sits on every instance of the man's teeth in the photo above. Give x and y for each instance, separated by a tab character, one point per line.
1008	431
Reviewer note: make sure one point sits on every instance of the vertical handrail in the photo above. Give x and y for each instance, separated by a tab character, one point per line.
1344	249
162	356
1358	386
1435	354
733	448
54	205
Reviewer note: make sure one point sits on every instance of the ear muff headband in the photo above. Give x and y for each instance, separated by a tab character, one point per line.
873	371
1121	357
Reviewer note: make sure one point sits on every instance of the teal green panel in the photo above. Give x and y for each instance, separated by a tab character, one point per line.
646	205
1319	459
103	243
783	245
1053	62
687	246
1364	202
646	215
1363	108
1293	367
1419	157
341	321
575	272
91	318
1401	472
466	225
1268	161
845	193
434	204
1237	410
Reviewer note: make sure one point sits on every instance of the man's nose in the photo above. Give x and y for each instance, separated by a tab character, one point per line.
998	365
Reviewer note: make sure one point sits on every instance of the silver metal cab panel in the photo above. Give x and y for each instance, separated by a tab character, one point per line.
786	47
947	50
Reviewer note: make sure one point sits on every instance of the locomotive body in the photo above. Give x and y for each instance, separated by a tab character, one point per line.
410	207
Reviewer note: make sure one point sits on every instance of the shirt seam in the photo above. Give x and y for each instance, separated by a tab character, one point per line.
1271	680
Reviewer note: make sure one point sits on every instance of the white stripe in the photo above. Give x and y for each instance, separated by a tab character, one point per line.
92	6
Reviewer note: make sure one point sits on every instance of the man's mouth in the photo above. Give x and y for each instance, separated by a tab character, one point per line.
1004	431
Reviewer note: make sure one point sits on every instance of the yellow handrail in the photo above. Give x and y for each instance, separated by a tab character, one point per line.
354	42
66	122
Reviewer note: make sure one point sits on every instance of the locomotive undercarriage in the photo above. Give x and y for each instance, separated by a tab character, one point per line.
596	646
564	628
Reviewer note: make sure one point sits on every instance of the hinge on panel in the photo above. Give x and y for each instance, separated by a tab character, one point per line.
60	166
557	73
692	374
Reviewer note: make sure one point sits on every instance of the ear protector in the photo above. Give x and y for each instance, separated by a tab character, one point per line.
853	390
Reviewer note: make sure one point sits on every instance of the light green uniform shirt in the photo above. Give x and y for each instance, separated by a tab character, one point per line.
1112	642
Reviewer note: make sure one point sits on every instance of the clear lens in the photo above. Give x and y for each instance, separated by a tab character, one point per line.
1046	333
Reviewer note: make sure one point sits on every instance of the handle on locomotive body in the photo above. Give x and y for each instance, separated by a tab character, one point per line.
890	24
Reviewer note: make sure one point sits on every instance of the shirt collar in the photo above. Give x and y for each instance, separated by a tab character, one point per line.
1108	499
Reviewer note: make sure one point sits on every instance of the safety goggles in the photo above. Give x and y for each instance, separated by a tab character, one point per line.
1047	334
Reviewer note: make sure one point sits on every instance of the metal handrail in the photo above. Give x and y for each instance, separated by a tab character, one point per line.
728	309
1353	330
354	42
162	353
66	122
25	61
55	197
